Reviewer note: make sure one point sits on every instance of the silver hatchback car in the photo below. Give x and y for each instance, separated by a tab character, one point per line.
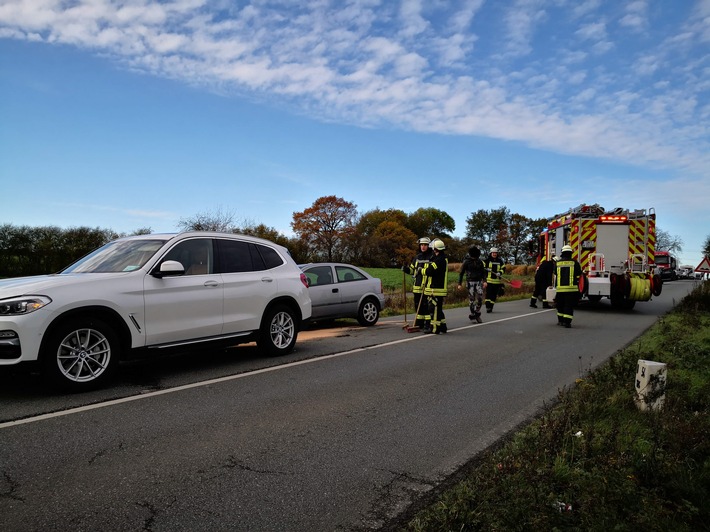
343	291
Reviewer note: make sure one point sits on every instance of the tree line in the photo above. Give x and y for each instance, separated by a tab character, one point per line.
331	229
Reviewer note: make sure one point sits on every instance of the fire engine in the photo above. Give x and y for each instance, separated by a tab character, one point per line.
616	249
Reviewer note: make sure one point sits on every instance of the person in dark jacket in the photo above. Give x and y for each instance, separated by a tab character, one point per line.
415	269
567	274
475	273
494	281
436	276
543	280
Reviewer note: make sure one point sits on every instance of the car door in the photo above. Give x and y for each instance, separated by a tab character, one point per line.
352	285
187	306
249	286
324	291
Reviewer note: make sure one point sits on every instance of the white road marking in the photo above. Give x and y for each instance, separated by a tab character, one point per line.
148	395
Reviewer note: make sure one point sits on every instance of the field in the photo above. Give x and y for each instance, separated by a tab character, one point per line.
394	280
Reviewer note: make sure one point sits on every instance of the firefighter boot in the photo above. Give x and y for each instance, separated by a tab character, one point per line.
545	304
533	302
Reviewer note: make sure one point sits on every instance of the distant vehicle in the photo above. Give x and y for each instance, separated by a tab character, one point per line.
343	291
685	272
152	292
667	264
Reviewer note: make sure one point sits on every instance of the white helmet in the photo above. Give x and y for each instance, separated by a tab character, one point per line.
494	250
438	244
566	247
424	240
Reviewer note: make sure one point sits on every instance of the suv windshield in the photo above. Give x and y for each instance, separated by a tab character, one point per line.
118	256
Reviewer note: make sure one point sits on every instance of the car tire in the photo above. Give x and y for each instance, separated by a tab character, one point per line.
80	355
368	313
278	332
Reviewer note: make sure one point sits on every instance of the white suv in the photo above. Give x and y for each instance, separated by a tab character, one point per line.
152	291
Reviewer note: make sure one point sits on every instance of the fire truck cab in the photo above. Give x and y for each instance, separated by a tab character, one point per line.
667	265
616	249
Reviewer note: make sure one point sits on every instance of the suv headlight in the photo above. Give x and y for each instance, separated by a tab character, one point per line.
22	305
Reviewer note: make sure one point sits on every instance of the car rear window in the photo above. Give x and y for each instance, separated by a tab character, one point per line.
237	256
270	257
348	274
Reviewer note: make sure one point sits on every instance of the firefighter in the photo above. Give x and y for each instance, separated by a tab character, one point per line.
435	287
415	269
494	282
567	274
475	273
543	280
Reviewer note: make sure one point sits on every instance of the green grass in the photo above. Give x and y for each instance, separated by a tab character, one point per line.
593	460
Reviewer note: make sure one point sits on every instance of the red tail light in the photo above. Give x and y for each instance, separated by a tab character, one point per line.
304	280
614	218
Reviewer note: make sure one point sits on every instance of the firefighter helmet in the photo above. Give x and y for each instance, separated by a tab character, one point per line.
494	250
566	247
424	240
438	244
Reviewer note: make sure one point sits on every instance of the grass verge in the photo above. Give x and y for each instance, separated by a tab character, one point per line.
394	283
593	460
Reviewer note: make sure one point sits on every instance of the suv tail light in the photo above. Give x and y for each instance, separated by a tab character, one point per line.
304	280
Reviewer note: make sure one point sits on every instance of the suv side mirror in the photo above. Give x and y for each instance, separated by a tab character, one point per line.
169	268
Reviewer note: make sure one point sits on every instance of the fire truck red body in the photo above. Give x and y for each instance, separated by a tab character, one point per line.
615	248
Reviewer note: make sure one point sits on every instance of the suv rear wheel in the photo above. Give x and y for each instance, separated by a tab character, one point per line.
278	331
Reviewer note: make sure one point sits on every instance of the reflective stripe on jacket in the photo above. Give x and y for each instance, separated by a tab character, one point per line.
567	278
494	267
436	276
415	269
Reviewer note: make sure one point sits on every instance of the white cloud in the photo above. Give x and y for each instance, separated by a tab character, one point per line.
521	20
527	71
593	31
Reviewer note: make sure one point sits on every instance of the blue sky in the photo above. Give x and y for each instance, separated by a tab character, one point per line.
134	114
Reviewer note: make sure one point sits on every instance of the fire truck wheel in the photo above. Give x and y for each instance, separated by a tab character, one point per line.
656	285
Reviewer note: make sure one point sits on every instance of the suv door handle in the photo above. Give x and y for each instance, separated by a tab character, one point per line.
267	280
211	284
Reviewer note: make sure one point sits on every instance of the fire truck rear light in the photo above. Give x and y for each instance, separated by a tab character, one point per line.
607	218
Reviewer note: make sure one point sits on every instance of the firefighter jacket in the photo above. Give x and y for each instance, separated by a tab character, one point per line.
544	272
416	267
495	270
473	269
567	274
436	275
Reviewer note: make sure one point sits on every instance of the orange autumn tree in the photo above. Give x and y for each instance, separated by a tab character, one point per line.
326	227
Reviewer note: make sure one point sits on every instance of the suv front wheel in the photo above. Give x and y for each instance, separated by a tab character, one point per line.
278	331
80	354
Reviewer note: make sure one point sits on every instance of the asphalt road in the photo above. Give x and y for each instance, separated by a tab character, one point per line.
344	434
